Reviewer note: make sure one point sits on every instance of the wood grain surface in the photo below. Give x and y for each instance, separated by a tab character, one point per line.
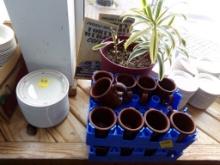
67	140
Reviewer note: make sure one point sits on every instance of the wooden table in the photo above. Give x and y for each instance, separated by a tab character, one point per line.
67	140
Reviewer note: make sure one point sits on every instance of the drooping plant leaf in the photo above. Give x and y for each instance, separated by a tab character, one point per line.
171	21
161	67
168	36
154	45
183	51
166	18
134	37
136	53
158	9
101	45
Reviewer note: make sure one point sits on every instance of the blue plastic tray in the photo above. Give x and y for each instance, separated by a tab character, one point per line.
136	155
167	148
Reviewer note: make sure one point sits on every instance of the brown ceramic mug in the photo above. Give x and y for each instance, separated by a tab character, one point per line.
183	123
129	81
157	122
100	74
131	121
165	88
146	86
108	93
102	119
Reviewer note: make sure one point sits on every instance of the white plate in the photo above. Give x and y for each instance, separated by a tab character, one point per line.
209	84
10	49
10	44
184	80
42	88
7	34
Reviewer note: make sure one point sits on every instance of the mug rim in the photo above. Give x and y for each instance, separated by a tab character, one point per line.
161	113
102	71
124	126
146	89
128	75
107	90
177	128
166	90
98	109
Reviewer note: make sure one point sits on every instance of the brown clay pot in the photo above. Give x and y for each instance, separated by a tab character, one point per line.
131	121
129	81
100	74
110	66
107	93
156	121
102	119
165	88
183	123
146	86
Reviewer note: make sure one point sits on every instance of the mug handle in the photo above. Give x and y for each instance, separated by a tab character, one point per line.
120	86
129	94
144	97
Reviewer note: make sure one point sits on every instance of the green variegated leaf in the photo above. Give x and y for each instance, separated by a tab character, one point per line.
183	42
176	33
154	45
184	52
142	45
102	45
136	53
158	9
161	67
168	36
134	37
166	18
161	15
171	21
120	42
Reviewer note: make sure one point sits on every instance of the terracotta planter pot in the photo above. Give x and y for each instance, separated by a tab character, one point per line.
100	74
131	121
158	122
183	123
146	86
110	66
165	88
102	119
129	81
107	93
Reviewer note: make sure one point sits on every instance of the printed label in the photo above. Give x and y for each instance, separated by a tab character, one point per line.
43	82
166	144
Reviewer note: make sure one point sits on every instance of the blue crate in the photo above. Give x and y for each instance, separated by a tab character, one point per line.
167	148
137	155
115	138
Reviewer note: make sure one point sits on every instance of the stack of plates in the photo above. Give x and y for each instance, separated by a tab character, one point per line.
7	43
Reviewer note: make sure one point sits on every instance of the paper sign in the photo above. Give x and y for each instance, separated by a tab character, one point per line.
123	27
166	144
94	32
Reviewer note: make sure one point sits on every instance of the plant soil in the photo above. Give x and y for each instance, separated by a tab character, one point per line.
121	58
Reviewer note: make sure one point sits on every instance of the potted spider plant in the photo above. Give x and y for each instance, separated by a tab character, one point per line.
153	39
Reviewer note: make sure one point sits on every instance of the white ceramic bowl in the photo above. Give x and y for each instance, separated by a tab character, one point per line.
7	37
43	97
186	83
208	91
